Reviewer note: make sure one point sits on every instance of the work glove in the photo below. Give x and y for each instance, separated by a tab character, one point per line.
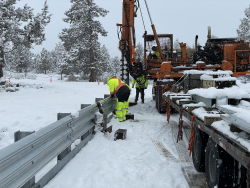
112	95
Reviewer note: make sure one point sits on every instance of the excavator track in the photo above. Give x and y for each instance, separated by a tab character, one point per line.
193	178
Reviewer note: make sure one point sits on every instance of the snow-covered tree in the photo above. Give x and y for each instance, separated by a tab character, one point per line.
104	60
114	66
176	44
139	50
20	59
61	58
13	30
244	27
45	61
81	39
140	54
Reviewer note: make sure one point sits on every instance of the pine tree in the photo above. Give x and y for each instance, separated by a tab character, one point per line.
244	27
81	39
176	44
19	59
114	66
140	55
104	60
14	32
139	50
45	61
61	59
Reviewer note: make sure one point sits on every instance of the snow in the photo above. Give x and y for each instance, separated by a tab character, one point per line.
242	137
200	104
239	112
200	62
201	113
166	62
133	162
182	100
235	92
208	72
221	78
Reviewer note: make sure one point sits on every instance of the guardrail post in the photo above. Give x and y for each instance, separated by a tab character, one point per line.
85	135
21	134
105	122
106	96
18	136
84	105
62	115
68	149
98	99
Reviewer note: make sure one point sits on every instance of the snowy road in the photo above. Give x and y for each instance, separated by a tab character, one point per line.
148	158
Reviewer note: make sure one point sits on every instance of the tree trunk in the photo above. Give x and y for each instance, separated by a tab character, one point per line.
92	68
2	62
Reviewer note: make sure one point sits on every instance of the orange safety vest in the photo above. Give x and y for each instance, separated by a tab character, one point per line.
114	85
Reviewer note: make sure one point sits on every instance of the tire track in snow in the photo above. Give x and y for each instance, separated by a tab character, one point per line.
193	178
158	139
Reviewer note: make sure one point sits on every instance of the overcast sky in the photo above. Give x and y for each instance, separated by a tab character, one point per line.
182	18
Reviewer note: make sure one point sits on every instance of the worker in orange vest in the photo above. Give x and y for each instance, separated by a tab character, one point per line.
122	91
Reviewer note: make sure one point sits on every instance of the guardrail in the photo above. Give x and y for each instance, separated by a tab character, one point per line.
20	161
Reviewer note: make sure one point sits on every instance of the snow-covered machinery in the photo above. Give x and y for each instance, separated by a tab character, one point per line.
218	106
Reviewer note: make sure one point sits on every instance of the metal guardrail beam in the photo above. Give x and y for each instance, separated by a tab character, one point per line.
21	160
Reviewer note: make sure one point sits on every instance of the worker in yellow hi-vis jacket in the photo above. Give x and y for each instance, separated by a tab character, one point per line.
141	84
122	91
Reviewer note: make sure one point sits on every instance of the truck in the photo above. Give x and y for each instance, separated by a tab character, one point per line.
216	143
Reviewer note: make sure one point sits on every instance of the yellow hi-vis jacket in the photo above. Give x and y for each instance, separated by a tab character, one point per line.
114	85
141	82
157	53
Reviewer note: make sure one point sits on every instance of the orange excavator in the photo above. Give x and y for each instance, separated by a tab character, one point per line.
168	66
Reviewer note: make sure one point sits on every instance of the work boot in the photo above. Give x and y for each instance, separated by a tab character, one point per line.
142	100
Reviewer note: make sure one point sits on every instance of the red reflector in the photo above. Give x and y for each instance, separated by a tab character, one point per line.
157	86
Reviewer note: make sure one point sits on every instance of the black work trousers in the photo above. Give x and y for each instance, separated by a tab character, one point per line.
139	90
123	94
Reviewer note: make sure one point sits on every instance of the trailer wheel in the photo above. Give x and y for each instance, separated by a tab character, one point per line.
219	166
198	150
153	93
158	99
243	179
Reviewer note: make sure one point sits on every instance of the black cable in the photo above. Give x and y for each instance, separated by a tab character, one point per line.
141	15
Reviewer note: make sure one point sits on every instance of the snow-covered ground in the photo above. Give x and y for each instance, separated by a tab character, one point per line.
146	158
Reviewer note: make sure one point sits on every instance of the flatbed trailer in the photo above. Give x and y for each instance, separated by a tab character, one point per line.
227	164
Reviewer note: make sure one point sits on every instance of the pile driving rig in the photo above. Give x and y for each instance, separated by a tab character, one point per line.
218	54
